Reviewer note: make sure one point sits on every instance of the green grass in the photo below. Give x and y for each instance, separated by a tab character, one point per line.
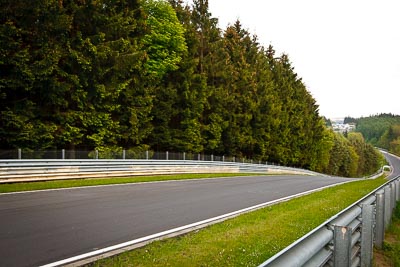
390	254
29	186
249	239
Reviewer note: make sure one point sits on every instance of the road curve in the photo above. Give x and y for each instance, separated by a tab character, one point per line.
42	227
394	161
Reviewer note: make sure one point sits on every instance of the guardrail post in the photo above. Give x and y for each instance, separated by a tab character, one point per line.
124	154
342	246
212	157
198	156
380	219
166	155
223	158
367	235
97	154
19	153
393	196
147	155
388	206
184	155
63	153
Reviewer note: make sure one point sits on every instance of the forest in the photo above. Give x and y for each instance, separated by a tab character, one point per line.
381	130
158	75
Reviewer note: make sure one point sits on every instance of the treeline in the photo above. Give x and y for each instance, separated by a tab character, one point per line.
351	156
156	75
382	130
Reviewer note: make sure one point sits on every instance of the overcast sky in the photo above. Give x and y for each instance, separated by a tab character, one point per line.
346	51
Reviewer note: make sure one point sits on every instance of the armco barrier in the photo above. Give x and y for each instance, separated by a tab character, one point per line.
36	170
347	238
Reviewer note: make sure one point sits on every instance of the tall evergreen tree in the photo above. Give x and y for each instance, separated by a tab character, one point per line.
178	103
79	59
31	83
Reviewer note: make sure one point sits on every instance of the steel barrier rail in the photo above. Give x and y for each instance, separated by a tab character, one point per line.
347	238
35	170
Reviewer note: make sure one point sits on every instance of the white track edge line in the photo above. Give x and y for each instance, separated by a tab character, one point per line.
122	184
140	183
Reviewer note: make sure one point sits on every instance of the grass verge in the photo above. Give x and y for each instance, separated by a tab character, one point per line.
249	239
29	186
389	255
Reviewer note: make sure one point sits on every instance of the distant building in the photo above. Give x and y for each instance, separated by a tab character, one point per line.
343	128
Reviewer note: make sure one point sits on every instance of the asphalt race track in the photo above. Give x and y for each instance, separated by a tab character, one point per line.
38	228
395	163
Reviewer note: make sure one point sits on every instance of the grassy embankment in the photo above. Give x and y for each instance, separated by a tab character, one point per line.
249	239
29	186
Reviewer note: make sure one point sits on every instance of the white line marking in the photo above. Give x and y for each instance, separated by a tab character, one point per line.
129	183
151	182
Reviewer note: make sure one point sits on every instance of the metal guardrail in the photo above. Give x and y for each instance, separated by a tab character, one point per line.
27	154
347	238
36	170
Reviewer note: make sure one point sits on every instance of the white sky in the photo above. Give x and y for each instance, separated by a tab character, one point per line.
346	51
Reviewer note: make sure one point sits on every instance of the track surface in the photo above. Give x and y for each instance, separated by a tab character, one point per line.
42	227
395	163
37	228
